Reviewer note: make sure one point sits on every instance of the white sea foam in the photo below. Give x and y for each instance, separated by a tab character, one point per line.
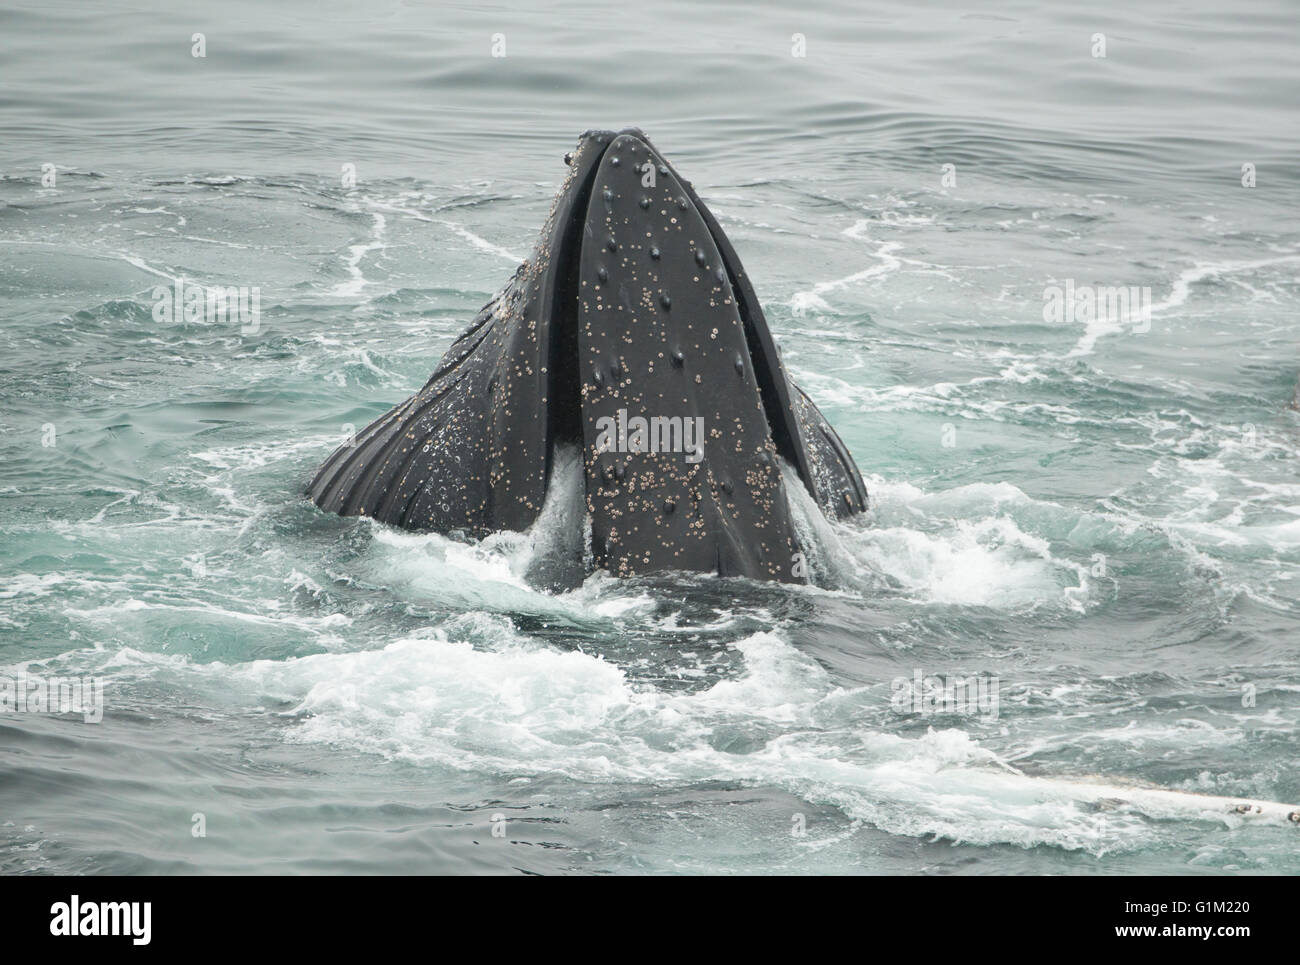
957	547
514	708
482	244
1180	291
813	300
357	253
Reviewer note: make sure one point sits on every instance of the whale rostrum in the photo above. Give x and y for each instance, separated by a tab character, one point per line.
633	333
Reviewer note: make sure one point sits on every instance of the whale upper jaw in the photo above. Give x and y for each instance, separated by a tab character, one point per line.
633	332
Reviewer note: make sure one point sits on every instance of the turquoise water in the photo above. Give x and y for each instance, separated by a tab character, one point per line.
1105	519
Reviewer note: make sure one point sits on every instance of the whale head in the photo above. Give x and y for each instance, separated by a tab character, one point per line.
632	333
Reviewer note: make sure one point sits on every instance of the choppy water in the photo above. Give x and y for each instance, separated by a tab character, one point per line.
1113	532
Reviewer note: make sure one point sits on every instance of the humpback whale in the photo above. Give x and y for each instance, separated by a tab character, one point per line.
632	333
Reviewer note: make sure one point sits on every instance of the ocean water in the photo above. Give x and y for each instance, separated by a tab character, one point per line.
1097	516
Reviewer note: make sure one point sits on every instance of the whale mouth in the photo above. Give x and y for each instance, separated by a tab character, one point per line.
631	147
632	332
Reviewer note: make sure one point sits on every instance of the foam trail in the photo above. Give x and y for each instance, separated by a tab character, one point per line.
803	302
357	281
1179	292
482	244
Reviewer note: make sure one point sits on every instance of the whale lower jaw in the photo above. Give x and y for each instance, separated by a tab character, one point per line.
633	333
